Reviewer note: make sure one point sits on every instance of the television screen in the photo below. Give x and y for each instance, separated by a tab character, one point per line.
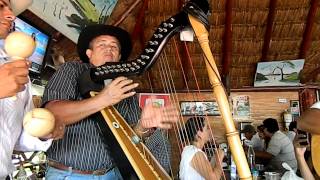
42	41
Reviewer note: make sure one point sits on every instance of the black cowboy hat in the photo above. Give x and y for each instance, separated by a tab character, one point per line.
92	31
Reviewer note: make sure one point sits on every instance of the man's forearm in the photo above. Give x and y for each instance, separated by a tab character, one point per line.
304	168
263	155
70	112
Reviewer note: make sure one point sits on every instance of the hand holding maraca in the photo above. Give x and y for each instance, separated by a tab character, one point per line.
19	46
39	122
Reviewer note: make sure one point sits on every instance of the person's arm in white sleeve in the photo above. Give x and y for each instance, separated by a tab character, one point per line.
26	142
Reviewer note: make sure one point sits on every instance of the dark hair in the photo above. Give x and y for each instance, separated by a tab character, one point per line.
271	125
192	126
260	128
293	125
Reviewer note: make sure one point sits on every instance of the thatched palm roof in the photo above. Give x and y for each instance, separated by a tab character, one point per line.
242	33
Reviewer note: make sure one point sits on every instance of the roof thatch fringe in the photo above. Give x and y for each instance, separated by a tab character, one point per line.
250	17
284	46
293	3
315	47
316	30
239	59
313	58
292	15
158	6
217	18
288	30
247	47
281	57
217	5
247	32
216	32
249	4
157	19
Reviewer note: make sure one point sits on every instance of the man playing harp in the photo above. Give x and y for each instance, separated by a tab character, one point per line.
81	152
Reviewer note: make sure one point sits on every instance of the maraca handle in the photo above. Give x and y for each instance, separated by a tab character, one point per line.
15	58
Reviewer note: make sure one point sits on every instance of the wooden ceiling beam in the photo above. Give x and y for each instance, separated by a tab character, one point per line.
138	30
126	13
138	33
227	45
268	33
306	41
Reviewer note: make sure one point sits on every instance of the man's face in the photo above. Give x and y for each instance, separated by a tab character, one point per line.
104	49
267	133
6	18
248	135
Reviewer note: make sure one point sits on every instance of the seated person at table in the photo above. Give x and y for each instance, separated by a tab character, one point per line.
252	138
194	162
280	148
292	130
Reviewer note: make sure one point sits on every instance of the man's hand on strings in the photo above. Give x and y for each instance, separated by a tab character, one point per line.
119	89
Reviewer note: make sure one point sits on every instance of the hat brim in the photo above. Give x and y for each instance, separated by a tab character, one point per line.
93	31
18	6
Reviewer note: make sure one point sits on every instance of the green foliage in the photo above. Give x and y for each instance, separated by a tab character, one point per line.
260	77
88	14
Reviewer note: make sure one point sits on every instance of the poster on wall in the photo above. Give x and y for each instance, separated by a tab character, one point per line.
278	73
159	100
71	16
201	108
241	107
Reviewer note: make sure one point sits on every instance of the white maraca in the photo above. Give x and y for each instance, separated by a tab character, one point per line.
19	45
39	122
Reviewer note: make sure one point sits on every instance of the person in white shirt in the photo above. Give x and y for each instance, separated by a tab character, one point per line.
252	138
13	81
194	162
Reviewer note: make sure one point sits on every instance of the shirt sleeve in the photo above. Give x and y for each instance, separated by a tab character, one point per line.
316	105
63	84
27	143
274	147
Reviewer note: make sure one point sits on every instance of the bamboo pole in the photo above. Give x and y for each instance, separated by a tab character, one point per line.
222	100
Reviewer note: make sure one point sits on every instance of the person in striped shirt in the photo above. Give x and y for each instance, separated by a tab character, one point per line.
81	153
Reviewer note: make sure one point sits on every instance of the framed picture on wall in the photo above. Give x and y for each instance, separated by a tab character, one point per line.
159	100
202	108
278	73
295	109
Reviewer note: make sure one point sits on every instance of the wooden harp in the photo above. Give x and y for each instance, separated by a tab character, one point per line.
194	13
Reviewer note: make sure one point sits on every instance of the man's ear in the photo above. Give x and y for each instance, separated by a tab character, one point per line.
89	53
119	57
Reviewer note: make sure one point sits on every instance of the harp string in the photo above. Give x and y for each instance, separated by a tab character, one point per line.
196	96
